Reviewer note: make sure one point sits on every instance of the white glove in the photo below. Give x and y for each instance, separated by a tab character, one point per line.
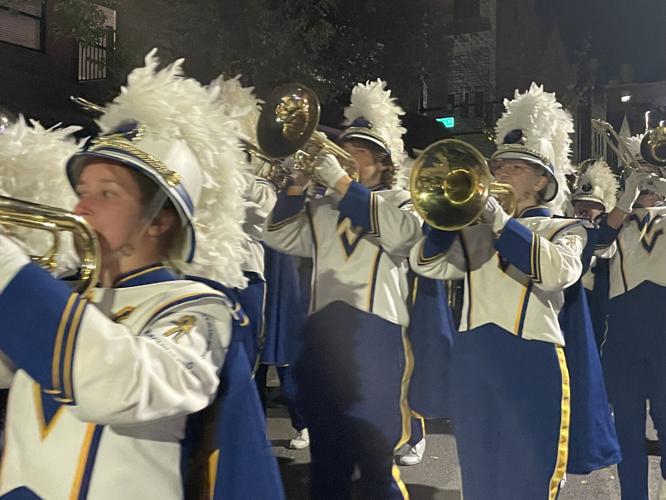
632	188
655	184
12	260
328	169
494	215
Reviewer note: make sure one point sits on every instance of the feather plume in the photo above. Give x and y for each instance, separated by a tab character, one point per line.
170	106
32	168
634	145
598	182
238	103
546	128
371	101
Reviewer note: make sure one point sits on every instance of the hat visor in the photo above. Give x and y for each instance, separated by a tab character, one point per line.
551	189
178	197
357	134
584	197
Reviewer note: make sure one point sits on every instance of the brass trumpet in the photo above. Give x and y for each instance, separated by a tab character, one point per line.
287	127
450	183
19	213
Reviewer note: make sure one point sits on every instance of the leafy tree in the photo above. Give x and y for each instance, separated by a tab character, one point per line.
80	20
330	44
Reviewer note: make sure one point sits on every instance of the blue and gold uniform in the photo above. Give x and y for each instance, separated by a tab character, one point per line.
107	387
635	348
510	383
354	367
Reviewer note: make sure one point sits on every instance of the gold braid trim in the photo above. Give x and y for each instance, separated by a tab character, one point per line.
115	141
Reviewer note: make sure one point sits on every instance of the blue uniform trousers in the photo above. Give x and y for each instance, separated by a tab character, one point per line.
510	401
634	361
352	377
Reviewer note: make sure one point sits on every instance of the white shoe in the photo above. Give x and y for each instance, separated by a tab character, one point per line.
563	482
662	490
300	440
414	455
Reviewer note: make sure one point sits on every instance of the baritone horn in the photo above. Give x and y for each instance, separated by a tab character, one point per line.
271	169
450	183
20	213
288	127
653	146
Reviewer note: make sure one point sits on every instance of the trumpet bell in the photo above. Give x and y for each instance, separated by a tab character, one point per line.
290	116
20	213
450	183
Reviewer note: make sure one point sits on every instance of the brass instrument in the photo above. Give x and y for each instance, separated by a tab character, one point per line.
86	105
450	183
610	138
653	146
19	213
268	168
287	127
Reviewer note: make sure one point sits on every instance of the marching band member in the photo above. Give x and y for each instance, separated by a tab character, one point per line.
510	382
273	297
355	364
594	195
239	103
635	347
107	387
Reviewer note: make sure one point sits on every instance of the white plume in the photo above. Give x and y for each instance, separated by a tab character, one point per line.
546	127
634	145
373	102
32	168
238	103
170	106
598	182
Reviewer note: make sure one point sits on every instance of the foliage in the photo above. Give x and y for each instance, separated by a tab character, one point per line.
329	44
80	20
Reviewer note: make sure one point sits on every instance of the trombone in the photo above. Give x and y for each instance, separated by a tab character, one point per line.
610	137
450	183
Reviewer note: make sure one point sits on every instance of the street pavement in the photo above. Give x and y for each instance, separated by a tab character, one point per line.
437	477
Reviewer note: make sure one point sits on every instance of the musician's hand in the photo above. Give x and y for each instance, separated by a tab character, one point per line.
12	259
655	184
632	189
297	181
494	215
328	169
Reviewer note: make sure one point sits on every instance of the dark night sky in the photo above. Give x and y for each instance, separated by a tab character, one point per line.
621	31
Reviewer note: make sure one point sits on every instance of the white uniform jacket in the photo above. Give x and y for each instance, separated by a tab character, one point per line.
514	281
107	382
637	251
359	245
262	196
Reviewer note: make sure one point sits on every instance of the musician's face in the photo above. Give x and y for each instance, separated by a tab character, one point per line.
648	199
527	180
110	200
369	171
590	210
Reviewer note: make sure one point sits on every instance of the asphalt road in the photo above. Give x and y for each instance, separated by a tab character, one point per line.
437	477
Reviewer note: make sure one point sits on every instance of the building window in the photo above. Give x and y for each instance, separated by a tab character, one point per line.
464	105
478	104
466	9
92	59
22	23
450	102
